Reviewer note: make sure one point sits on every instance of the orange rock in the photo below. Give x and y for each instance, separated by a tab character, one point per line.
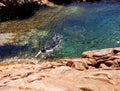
97	71
103	66
104	52
109	63
70	64
88	54
27	77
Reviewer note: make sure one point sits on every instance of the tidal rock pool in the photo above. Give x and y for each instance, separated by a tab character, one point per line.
81	27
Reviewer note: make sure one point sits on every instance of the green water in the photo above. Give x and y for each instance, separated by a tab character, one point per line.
83	26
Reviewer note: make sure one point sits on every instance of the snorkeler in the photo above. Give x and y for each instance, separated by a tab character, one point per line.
52	47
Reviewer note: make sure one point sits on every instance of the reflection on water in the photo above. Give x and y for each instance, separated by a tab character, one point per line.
83	26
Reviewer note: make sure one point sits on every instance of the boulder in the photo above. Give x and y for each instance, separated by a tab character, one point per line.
109	57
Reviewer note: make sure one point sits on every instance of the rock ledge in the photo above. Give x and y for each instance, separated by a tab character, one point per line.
97	70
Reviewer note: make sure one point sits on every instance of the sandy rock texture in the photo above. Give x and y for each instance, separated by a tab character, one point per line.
56	76
78	74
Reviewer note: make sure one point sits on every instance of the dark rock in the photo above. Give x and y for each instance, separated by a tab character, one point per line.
118	0
10	9
109	63
61	2
17	8
70	64
64	2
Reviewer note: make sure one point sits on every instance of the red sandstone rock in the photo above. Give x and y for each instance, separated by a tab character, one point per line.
87	54
109	57
108	52
33	77
91	73
104	53
109	63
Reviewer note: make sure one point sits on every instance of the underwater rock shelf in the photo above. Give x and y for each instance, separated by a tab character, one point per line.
79	74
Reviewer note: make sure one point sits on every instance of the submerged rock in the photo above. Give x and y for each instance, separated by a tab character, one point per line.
6	38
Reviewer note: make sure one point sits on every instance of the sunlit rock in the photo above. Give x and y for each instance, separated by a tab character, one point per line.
57	76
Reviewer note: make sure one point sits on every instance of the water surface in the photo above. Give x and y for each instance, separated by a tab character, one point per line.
83	26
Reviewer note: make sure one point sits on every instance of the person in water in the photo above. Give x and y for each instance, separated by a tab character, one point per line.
52	47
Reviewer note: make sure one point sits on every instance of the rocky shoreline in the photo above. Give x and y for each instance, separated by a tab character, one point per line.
96	70
12	9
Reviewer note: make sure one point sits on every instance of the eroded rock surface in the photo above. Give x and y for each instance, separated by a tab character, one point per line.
109	57
79	74
56	76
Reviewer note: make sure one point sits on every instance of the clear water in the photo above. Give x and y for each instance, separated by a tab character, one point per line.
96	26
83	26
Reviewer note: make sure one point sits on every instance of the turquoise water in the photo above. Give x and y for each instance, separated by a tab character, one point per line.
83	26
90	26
